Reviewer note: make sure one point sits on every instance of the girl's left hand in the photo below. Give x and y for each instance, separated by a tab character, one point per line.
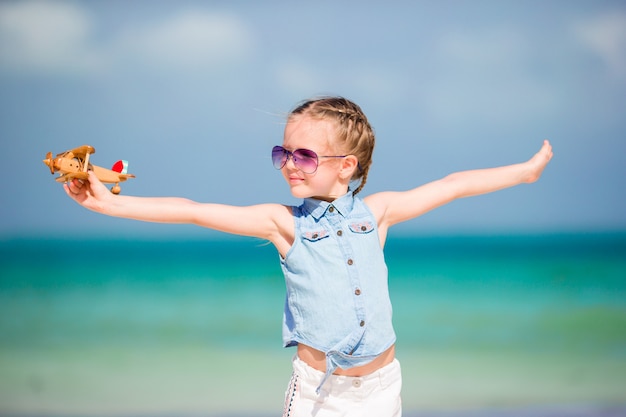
538	162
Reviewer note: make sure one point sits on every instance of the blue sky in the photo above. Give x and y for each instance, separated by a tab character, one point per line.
193	95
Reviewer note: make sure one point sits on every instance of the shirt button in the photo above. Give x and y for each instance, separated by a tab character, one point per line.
331	209
357	291
356	383
362	323
350	261
339	233
363	228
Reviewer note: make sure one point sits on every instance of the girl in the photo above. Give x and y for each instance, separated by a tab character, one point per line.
337	310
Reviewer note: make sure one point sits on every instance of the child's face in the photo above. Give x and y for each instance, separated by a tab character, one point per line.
326	183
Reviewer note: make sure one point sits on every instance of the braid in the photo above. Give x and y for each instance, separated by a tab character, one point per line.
354	133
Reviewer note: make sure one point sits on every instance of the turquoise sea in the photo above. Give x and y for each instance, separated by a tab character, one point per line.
487	325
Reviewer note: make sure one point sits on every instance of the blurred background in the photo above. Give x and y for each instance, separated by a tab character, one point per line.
505	301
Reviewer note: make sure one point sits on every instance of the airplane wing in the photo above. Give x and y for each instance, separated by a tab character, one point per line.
124	177
71	176
81	151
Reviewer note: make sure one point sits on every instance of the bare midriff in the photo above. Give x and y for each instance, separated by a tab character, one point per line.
317	360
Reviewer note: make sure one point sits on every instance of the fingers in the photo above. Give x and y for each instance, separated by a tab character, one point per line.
548	148
94	183
74	186
72	190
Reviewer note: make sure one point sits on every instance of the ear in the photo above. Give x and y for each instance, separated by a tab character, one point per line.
349	165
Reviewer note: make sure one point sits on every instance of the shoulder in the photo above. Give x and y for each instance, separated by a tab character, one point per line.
273	212
279	213
377	203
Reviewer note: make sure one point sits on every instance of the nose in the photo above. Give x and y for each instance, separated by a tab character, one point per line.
291	161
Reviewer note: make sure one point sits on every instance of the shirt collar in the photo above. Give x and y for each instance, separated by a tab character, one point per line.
318	208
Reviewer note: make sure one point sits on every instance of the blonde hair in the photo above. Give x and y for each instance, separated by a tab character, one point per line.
353	131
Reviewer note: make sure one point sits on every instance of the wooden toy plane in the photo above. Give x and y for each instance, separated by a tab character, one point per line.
75	164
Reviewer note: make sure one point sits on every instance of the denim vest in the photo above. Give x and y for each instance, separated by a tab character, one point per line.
337	295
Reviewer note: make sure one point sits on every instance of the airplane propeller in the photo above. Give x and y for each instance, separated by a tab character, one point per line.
50	162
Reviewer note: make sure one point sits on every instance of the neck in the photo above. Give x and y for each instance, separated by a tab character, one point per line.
329	198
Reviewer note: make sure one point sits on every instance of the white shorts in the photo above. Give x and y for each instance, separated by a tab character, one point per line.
376	394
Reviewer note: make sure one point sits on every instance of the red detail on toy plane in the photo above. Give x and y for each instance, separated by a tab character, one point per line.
121	167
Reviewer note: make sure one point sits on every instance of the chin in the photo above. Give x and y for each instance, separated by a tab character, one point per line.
301	191
300	194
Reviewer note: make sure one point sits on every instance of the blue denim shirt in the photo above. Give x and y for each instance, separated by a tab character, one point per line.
337	294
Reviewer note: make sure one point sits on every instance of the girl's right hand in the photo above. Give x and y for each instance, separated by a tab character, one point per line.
90	193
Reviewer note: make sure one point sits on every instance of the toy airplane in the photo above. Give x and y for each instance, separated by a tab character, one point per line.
75	164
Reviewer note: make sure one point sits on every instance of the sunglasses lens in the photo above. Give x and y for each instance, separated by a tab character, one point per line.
305	160
279	157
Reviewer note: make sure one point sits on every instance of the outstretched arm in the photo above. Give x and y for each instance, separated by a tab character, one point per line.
267	221
394	207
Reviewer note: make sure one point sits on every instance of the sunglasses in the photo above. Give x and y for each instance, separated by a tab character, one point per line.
304	159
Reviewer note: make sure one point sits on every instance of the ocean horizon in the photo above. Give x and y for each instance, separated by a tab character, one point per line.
508	325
